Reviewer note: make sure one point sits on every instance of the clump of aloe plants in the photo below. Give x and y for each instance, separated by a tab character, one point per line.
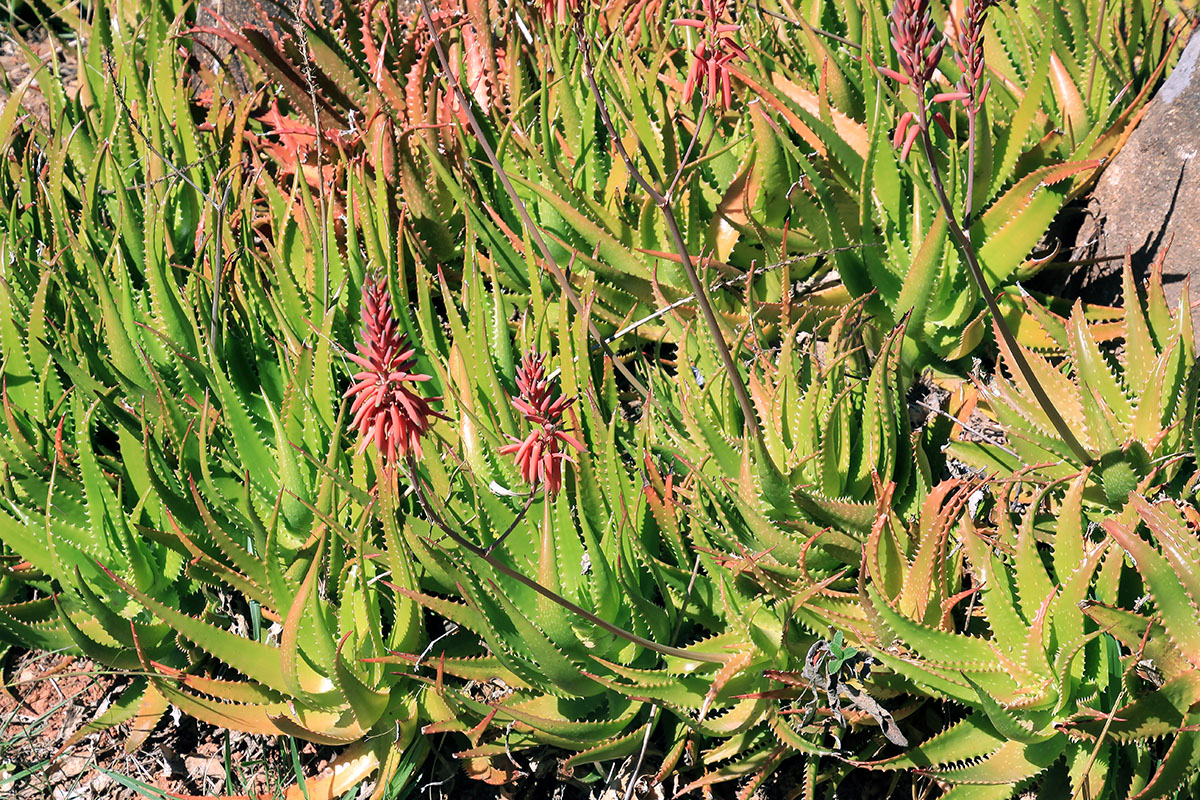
539	383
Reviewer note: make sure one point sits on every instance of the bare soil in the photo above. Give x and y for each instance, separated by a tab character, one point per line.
46	698
15	67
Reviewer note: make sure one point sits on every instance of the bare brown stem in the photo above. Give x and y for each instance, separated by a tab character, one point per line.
1010	341
515	522
666	208
683	162
533	229
969	201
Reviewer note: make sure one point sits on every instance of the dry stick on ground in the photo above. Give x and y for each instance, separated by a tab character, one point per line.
666	207
534	231
983	435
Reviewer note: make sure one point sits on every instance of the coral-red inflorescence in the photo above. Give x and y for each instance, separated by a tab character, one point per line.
386	409
711	57
968	54
539	455
919	46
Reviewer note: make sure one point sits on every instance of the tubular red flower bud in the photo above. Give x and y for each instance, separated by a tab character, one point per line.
950	97
901	127
943	124
891	73
913	130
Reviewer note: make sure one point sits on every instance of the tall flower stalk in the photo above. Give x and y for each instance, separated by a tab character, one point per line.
972	88
664	200
919	48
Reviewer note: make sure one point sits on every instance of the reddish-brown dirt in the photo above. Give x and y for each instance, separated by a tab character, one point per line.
16	68
46	698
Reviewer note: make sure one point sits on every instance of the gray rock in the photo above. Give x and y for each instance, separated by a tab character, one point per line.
1148	199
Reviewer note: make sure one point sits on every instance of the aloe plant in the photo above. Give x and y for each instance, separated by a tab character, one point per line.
1000	631
612	602
78	273
172	436
1016	159
833	417
801	171
621	462
1159	650
1132	409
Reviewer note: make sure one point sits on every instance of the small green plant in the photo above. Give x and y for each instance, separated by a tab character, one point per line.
1133	409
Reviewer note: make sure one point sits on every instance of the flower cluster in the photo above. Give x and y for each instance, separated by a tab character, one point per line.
711	57
916	41
968	54
559	11
386	410
919	48
539	455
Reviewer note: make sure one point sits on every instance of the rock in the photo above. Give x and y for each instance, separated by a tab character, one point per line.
1147	198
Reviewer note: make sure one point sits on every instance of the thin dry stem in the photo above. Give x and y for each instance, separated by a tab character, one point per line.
666	207
1010	341
504	569
533	229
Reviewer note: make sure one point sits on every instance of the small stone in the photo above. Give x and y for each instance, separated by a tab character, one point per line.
71	766
100	783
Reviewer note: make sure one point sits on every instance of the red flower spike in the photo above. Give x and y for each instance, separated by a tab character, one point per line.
943	124
913	37
919	47
559	11
385	409
891	73
710	58
968	53
540	454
